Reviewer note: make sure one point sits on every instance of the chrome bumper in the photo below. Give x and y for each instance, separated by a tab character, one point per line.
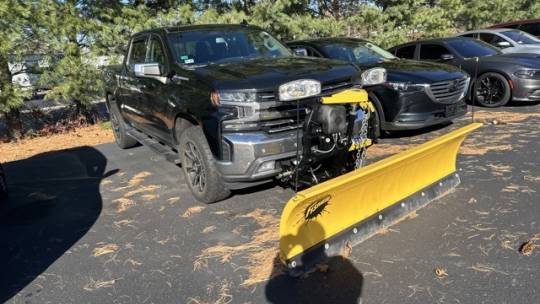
249	151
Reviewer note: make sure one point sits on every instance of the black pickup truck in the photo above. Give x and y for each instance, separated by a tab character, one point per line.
229	103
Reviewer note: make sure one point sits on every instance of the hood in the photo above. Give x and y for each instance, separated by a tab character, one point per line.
418	72
269	73
524	59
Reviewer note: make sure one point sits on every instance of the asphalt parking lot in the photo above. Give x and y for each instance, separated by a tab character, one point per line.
102	225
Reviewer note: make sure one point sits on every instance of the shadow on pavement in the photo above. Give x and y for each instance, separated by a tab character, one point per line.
412	133
54	200
340	283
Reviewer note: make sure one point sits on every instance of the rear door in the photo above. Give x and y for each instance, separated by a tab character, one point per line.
130	93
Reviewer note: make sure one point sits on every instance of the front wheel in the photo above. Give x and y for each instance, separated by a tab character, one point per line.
199	167
492	90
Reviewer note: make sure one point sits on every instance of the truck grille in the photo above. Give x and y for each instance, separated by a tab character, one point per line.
448	91
281	116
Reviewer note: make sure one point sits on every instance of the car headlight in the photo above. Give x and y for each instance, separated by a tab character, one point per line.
403	86
234	97
299	89
374	76
528	74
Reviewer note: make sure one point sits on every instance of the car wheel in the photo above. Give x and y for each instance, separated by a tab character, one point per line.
492	90
3	184
199	167
122	139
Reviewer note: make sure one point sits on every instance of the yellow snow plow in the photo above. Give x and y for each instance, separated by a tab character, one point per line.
325	219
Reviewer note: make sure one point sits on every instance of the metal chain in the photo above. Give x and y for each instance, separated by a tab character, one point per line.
362	138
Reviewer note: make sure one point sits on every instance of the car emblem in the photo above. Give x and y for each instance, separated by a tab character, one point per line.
454	85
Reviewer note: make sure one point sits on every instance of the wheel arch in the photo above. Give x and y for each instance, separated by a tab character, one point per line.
182	121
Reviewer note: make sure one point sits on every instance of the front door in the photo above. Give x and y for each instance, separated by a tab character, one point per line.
130	94
156	92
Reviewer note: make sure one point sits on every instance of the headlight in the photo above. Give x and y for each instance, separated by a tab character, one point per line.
403	86
232	97
528	74
398	86
374	76
299	89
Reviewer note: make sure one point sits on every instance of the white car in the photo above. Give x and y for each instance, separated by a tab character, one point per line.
507	40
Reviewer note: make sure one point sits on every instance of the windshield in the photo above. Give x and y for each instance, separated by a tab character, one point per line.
359	52
521	37
204	47
469	48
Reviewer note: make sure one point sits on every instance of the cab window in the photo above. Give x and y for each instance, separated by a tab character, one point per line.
406	52
137	52
155	52
471	35
433	51
492	39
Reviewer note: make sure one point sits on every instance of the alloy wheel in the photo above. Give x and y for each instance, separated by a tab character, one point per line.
490	90
195	167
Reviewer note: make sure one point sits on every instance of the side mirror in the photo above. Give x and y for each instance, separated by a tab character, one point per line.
147	69
503	44
302	52
447	57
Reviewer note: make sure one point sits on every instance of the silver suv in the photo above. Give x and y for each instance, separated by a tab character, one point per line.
507	40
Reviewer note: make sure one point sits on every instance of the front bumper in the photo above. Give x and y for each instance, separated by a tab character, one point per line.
250	151
415	110
526	89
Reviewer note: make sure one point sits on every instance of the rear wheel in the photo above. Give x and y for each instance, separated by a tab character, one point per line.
199	167
119	127
492	90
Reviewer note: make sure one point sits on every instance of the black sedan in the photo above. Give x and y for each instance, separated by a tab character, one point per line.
3	183
416	95
499	77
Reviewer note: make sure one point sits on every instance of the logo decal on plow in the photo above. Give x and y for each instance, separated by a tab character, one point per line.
316	208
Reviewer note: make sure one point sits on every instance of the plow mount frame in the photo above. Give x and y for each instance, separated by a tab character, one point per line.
328	218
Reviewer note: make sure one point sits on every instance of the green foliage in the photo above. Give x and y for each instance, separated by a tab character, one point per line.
76	34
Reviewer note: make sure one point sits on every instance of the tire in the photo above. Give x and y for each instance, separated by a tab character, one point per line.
119	127
200	171
492	90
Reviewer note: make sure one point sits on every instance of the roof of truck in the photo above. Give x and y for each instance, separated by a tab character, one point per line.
191	27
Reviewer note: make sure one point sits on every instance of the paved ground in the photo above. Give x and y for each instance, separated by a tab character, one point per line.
100	225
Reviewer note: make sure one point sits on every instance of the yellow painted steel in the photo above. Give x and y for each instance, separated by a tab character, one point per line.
326	209
359	96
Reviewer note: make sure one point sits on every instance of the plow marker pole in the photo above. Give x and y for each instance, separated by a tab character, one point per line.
330	217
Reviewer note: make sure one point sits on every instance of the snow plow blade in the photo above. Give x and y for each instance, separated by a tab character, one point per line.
329	218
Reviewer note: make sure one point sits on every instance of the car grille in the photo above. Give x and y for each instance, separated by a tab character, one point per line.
449	91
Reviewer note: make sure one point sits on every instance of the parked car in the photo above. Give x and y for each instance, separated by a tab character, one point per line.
531	26
3	183
498	78
507	40
228	101
416	95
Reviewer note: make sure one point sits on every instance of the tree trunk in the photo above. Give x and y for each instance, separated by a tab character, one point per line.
83	110
13	115
14	124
